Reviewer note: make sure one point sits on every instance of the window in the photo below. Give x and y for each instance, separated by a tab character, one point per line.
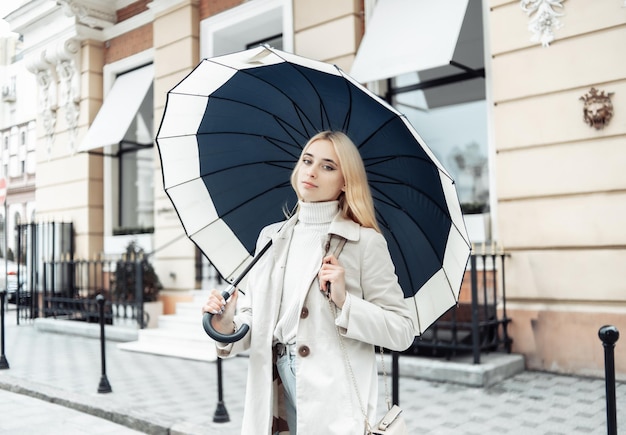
452	120
247	26
136	173
447	106
273	41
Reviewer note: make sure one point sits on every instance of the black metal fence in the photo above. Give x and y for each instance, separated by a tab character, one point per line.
479	322
70	288
35	242
50	282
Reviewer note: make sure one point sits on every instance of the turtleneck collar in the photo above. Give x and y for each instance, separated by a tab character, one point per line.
317	212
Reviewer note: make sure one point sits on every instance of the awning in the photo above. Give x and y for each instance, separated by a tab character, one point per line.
415	35
119	109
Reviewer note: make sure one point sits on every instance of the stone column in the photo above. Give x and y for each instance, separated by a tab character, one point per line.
176	47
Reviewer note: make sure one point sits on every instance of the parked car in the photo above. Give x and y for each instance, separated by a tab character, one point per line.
9	269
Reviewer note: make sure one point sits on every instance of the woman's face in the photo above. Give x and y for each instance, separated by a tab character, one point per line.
319	176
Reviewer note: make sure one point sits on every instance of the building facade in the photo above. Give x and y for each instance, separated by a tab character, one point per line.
18	139
497	88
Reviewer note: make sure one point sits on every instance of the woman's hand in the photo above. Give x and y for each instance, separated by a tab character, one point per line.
223	311
333	273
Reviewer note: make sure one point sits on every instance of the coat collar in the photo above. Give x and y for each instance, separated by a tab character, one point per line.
340	226
344	227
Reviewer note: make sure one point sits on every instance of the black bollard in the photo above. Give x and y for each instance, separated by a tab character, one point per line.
609	336
4	364
104	386
221	414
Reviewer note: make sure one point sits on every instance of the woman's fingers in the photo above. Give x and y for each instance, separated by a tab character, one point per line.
213	306
330	259
332	280
216	304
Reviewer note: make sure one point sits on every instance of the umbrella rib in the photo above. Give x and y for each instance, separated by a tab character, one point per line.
323	112
281	122
275	163
395	239
272	140
252	198
386	225
399	206
396	205
394	181
372	161
291	64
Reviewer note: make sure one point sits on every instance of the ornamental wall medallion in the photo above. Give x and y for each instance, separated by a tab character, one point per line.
598	109
543	19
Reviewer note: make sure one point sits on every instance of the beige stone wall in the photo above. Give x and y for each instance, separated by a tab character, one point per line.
328	30
560	184
176	48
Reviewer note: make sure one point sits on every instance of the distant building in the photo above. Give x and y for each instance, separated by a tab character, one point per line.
18	140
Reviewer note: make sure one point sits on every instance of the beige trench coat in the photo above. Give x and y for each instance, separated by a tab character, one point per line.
326	397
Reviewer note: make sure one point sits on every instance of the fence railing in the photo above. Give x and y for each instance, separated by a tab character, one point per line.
479	322
70	288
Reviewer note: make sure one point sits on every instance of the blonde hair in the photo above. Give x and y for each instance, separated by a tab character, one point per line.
356	201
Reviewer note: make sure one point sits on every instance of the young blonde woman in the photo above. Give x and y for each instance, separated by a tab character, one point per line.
298	381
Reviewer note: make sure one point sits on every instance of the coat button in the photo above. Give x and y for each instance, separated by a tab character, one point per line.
304	351
304	313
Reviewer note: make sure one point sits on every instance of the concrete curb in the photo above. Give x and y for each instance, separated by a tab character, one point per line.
83	329
492	369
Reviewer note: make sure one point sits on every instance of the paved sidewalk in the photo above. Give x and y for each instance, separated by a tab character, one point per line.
23	414
164	395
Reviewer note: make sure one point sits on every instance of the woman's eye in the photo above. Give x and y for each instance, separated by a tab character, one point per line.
328	168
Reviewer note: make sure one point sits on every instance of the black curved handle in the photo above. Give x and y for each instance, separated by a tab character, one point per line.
218	336
241	332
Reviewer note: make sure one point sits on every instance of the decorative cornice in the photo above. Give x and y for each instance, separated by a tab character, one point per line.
543	19
90	13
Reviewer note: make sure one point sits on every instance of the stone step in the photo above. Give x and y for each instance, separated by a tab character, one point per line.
179	321
189	342
189	309
195	351
178	335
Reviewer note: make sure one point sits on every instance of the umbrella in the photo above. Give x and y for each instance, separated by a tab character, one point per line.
232	131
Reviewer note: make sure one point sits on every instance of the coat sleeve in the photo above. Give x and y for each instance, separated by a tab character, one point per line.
244	307
382	317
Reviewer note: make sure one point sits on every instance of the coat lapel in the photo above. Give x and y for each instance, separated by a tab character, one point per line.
280	251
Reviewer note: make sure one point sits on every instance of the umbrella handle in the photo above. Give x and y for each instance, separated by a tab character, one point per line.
241	332
218	336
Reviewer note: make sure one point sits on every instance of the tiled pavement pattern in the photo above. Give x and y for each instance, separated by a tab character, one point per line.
156	394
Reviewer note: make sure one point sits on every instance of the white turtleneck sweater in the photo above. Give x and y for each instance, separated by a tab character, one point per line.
313	222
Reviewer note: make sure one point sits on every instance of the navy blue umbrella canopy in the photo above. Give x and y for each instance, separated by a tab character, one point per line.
232	131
